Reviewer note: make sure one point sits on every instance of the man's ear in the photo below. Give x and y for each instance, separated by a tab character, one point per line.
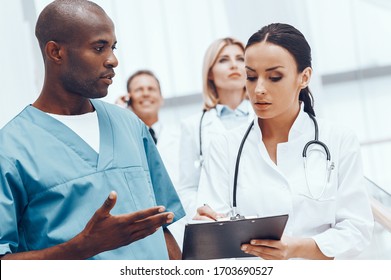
53	52
130	100
306	77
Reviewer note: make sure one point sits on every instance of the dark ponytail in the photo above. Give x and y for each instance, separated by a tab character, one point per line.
291	39
306	97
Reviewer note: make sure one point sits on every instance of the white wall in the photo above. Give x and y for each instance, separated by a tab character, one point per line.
354	35
18	83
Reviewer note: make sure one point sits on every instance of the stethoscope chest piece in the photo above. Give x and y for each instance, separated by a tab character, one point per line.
199	162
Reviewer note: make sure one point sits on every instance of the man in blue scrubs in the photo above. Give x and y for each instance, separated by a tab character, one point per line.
80	178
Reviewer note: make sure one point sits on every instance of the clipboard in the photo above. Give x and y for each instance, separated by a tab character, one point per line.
223	239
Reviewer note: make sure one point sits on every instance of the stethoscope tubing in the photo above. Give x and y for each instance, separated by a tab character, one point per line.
199	162
200	131
238	162
312	142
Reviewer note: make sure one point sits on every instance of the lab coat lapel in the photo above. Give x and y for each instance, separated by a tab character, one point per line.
263	150
63	134
211	118
301	125
106	150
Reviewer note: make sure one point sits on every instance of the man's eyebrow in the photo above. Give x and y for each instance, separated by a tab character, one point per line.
101	41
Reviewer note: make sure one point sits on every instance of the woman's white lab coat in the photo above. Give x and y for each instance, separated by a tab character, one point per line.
340	221
189	152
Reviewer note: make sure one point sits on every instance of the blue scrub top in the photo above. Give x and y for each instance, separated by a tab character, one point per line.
52	181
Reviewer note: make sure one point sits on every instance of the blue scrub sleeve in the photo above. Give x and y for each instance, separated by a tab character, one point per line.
13	198
165	193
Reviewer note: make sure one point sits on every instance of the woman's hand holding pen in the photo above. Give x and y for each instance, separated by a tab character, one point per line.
205	212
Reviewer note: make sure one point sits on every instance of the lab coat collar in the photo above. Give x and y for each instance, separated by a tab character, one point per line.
210	117
299	126
213	114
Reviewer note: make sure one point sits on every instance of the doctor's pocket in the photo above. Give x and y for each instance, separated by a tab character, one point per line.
140	188
315	196
317	180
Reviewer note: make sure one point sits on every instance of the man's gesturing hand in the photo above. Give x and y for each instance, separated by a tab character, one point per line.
107	232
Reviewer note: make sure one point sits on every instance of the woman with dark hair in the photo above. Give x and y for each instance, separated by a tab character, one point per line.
325	198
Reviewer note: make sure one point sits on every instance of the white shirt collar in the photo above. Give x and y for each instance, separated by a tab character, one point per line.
157	128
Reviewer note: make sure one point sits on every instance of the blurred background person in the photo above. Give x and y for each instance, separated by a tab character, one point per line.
225	107
144	98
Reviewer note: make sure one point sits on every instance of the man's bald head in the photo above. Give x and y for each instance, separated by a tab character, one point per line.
61	20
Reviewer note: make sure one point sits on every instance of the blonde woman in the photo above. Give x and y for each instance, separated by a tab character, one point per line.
225	107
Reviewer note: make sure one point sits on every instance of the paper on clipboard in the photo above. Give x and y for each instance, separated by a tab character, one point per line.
223	239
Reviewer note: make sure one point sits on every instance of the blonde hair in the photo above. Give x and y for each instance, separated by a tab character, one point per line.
210	94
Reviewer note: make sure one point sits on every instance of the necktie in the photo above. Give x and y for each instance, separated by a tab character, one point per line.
153	134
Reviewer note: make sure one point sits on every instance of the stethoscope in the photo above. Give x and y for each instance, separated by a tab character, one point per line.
198	163
329	165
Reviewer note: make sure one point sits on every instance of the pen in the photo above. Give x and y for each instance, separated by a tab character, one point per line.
331	168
